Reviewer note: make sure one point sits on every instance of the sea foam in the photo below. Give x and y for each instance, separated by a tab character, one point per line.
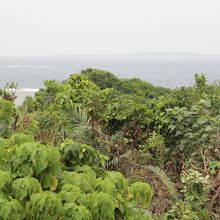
28	66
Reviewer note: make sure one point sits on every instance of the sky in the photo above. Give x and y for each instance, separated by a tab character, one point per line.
50	27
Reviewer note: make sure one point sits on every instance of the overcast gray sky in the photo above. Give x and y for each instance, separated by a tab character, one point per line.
45	27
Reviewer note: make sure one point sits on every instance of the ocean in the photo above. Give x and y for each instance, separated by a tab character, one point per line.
30	72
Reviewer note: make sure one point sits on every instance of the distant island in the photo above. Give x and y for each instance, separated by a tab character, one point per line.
187	55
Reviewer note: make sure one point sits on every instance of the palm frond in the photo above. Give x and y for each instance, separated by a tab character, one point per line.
163	177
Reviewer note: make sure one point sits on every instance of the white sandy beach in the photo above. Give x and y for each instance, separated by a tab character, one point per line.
22	93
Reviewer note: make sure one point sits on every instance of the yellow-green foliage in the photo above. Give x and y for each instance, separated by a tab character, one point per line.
37	182
141	193
7	113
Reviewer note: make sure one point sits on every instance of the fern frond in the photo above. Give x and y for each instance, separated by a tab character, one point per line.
163	177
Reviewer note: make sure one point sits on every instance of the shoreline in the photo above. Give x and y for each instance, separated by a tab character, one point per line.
23	93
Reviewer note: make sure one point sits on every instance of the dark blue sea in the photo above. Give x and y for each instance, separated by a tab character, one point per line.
30	72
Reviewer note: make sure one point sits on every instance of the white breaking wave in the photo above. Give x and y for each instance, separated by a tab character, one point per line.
29	66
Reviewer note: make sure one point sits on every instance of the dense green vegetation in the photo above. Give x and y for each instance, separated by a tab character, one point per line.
98	147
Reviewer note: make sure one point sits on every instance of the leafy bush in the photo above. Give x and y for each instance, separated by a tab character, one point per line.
36	185
195	188
7	114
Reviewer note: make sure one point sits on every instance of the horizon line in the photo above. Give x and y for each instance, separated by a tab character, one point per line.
144	53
